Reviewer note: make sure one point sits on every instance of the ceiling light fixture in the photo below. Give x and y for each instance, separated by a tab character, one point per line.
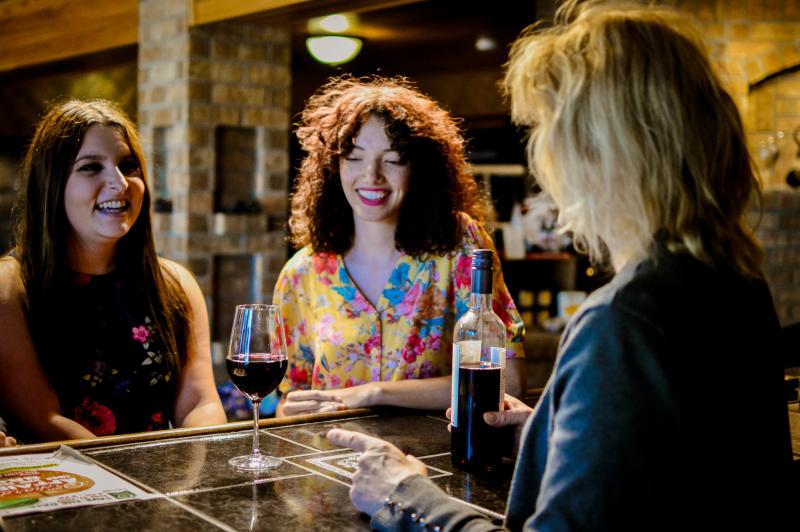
333	49
328	44
484	43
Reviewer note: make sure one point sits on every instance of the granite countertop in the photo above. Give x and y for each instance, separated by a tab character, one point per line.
198	490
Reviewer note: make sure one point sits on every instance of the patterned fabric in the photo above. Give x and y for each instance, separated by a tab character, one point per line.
106	360
336	338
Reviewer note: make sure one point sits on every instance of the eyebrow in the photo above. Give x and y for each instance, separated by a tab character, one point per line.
357	147
95	157
89	156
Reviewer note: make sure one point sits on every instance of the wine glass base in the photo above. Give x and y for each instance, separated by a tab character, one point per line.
254	463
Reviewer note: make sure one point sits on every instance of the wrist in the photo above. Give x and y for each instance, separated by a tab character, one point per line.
375	392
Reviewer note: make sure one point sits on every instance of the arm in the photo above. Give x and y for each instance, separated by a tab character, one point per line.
392	487
25	392
423	394
197	403
426	394
516	377
613	417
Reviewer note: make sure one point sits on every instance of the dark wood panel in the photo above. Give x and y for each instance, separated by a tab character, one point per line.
38	32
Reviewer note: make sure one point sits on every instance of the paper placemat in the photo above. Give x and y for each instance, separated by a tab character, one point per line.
65	478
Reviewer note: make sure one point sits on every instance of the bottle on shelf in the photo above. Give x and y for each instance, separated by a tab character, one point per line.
479	358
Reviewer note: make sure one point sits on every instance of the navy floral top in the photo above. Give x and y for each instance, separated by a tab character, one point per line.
107	362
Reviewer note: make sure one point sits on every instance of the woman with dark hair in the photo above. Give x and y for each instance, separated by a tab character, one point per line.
100	336
643	151
387	215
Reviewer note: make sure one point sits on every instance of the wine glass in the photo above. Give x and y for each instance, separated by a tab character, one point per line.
256	363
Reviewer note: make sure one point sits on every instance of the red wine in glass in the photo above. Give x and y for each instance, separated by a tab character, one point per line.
256	363
256	375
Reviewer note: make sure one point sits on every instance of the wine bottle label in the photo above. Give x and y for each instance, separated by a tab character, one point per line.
498	355
454	385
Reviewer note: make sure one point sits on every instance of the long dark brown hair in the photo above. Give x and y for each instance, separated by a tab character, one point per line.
441	185
42	229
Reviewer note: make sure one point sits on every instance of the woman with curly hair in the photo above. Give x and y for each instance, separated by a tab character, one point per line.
100	336
387	215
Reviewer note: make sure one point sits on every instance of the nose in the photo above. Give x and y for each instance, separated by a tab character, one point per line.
116	180
373	170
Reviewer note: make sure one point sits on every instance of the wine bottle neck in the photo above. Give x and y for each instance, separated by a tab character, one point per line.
481	281
481	301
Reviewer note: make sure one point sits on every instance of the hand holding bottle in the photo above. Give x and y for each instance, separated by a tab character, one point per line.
515	413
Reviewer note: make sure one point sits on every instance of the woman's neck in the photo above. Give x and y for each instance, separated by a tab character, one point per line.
92	260
373	242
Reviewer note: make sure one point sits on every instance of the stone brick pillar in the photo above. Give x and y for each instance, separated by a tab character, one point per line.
214	120
779	234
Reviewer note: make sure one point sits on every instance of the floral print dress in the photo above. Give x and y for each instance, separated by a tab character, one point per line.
336	338
106	360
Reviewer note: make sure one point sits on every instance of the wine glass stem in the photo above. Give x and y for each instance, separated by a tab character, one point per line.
256	450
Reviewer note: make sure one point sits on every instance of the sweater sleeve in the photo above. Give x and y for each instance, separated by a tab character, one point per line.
604	437
418	504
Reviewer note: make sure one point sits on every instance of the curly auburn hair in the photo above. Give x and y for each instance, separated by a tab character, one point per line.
441	185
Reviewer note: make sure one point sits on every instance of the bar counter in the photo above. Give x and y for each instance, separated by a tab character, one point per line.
197	489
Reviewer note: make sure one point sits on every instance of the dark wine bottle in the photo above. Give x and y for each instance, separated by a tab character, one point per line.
479	357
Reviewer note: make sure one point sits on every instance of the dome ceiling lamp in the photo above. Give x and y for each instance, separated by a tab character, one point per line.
330	41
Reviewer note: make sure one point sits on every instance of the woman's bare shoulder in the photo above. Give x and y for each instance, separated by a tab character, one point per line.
175	268
11	285
181	274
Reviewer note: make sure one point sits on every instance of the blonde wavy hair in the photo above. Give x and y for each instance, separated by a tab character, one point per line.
633	135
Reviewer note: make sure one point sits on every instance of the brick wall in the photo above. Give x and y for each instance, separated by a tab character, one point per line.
214	114
779	233
756	46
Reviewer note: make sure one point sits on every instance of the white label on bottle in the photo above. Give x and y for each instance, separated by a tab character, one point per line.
498	357
454	385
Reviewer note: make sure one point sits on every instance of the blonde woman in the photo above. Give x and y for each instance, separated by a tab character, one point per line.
642	150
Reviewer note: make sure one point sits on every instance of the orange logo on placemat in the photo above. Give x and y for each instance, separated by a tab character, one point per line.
33	483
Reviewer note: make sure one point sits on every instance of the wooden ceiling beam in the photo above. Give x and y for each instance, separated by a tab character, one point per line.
42	31
208	11
36	32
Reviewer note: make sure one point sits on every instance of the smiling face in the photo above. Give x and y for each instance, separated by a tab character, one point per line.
374	175
105	189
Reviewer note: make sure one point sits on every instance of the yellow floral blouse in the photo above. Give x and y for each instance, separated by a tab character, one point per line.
336	338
